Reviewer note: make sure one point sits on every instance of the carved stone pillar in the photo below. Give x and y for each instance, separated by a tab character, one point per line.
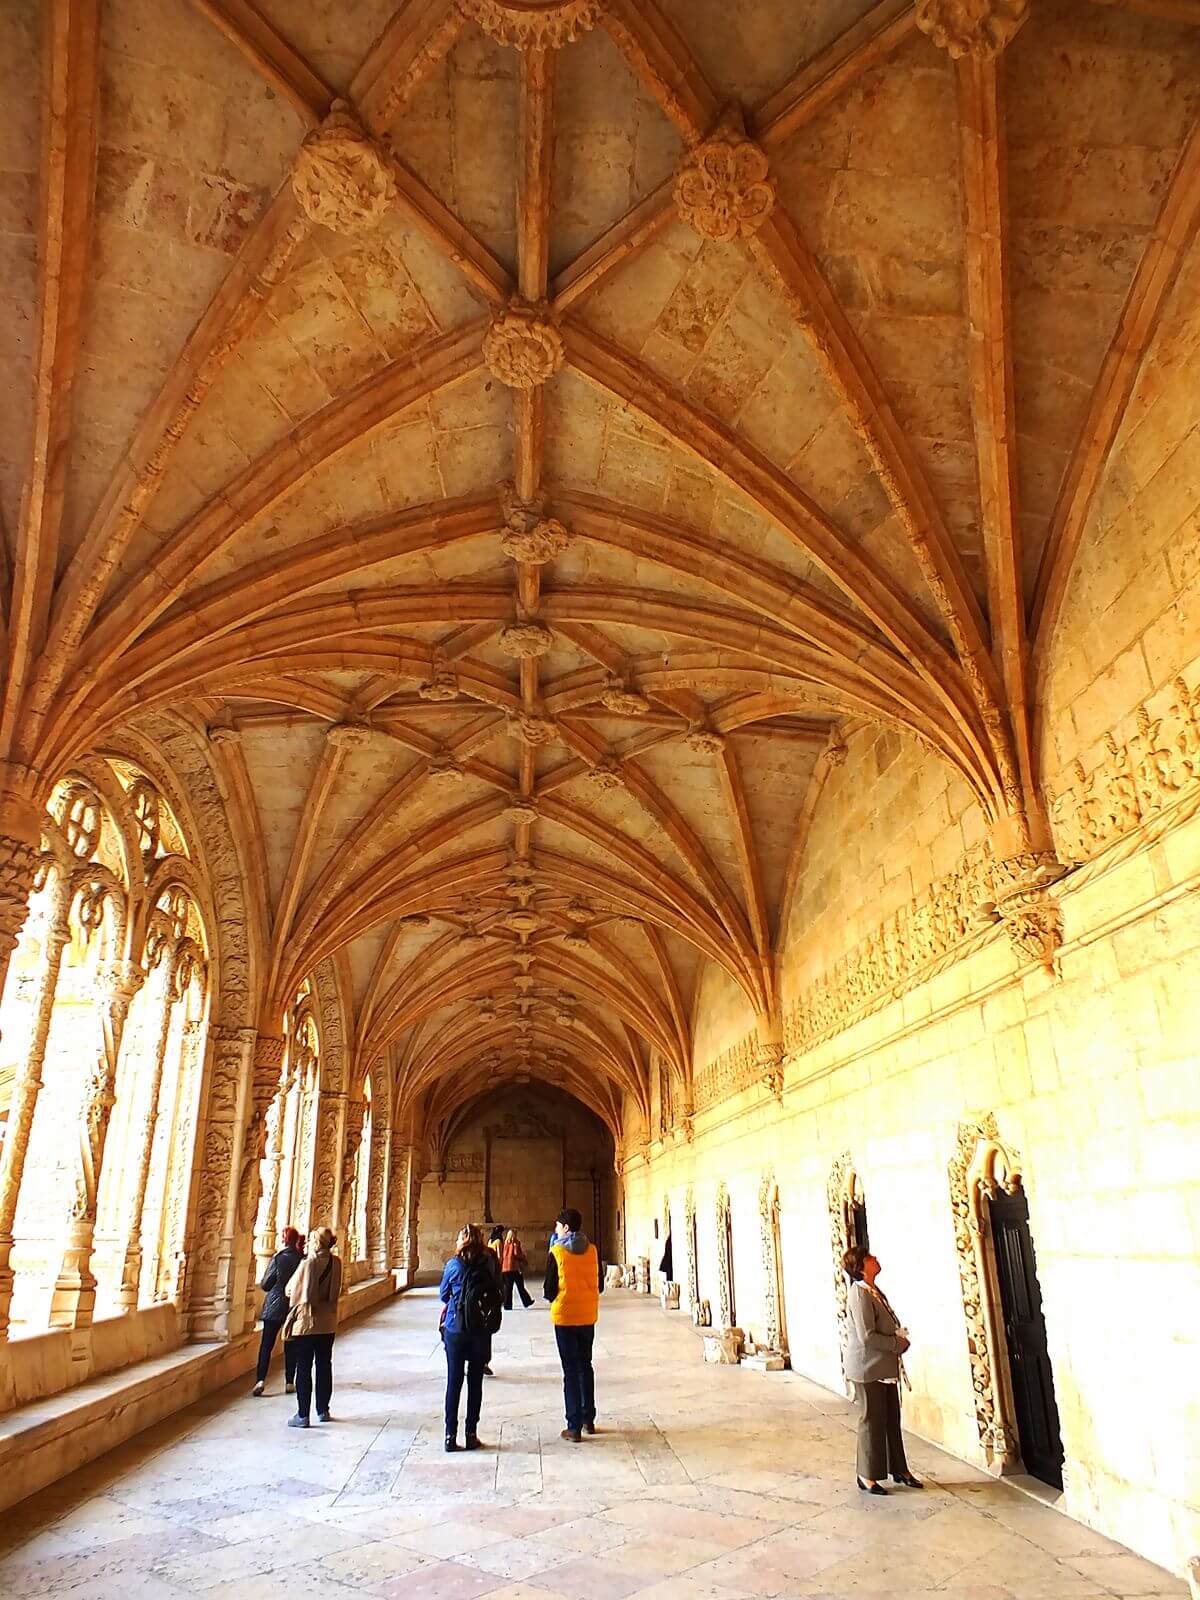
210	1303
20	849
172	1276
268	1239
397	1241
326	1152
264	1086
74	1299
159	1031
356	1116
412	1241
27	1087
376	1243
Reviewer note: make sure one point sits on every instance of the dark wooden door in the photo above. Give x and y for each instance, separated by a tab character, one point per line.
1025	1333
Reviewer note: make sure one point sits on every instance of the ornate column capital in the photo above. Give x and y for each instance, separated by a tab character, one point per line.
723	188
1031	915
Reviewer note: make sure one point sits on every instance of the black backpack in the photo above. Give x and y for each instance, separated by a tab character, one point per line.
479	1305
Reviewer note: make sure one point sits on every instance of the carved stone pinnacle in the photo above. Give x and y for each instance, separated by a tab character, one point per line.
523	347
978	28
544	25
723	188
524	641
340	178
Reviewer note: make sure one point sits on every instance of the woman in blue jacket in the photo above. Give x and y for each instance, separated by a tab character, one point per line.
465	1352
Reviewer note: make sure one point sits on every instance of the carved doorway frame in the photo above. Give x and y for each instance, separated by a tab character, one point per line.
774	1300
844	1192
982	1166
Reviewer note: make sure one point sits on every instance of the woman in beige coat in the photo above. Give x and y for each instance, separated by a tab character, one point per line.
312	1324
875	1341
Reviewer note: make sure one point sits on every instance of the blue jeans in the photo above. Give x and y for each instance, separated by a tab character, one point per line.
465	1353
579	1381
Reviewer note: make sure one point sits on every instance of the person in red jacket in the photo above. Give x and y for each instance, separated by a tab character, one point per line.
512	1259
573	1286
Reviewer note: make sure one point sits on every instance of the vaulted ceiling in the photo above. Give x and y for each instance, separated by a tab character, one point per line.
526	433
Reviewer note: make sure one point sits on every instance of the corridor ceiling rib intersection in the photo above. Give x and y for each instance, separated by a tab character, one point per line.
528	436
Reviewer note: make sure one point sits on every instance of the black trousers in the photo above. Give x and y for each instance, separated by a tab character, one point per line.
579	1380
313	1349
466	1354
880	1444
270	1332
517	1278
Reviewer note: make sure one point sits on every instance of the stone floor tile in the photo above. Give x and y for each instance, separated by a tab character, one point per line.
441	1580
1127	1574
596	1578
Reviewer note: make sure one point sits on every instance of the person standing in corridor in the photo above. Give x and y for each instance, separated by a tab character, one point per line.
573	1286
312	1324
275	1309
514	1264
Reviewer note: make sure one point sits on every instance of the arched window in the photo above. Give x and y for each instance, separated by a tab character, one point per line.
101	1031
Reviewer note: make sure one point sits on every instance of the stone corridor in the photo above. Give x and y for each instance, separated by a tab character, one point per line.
705	1483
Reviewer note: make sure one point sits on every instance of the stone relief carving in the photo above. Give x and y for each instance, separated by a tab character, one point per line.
980	1167
528	534
523	347
340	179
624	698
842	1192
971	27
1136	780
542	25
768	1217
693	1266
723	188
724	1259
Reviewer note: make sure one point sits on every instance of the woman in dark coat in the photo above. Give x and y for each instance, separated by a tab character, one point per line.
275	1309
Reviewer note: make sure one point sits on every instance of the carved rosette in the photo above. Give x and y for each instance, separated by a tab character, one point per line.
526	641
540	25
340	179
528	534
723	189
605	775
523	347
624	699
522	812
979	28
533	730
442	686
704	741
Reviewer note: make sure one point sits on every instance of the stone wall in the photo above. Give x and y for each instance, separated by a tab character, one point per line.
1093	1079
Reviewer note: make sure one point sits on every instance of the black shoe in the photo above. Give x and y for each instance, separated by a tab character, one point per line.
571	1433
488	1373
323	1416
908	1480
473	1442
870	1488
589	1427
451	1443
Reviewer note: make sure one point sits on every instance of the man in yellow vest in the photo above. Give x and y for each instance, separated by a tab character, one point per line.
574	1283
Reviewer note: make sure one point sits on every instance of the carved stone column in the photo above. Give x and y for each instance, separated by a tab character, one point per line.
268	1239
210	1303
27	1087
376	1243
397	1234
159	1030
172	1276
74	1299
326	1151
413	1238
20	849
264	1086
356	1116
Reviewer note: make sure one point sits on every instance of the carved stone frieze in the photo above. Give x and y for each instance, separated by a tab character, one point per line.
1135	781
533	24
340	179
978	28
723	189
522	346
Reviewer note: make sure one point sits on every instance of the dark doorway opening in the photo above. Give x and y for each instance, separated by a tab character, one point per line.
856	1218
1025	1334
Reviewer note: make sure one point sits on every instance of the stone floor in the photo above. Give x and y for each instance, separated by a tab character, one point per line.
704	1483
